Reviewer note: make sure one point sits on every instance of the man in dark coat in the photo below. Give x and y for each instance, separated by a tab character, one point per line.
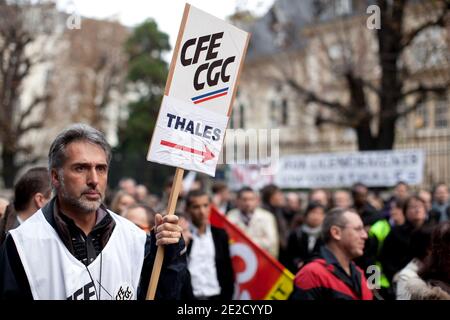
209	260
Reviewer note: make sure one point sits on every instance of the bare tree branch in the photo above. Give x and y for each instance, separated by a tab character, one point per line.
18	33
421	89
36	102
371	86
439	21
344	70
312	97
338	122
25	149
31	161
30	126
2	58
414	106
421	92
26	69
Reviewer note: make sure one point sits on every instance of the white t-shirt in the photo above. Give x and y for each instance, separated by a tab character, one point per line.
55	274
202	264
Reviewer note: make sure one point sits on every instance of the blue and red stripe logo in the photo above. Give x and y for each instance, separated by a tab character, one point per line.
210	95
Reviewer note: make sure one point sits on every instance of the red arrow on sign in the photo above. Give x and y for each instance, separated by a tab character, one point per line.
207	154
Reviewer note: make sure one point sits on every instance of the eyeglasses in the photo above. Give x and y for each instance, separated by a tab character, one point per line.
357	229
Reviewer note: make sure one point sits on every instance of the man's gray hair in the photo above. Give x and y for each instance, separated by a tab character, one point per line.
335	217
75	132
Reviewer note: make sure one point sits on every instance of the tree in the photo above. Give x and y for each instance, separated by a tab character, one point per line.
371	70
96	61
21	24
147	73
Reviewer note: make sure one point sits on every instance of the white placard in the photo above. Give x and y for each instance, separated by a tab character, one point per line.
199	93
190	138
208	61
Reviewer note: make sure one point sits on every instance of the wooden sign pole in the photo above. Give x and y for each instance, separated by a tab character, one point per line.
176	186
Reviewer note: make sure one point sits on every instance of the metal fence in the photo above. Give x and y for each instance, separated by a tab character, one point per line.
437	158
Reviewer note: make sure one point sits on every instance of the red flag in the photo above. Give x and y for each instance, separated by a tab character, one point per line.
258	275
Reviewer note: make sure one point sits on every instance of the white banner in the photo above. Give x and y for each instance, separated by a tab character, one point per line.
335	170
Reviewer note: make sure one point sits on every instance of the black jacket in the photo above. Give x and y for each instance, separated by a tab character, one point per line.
14	283
7	222
395	253
298	249
224	267
283	231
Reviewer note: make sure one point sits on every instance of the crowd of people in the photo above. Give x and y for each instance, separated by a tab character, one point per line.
332	240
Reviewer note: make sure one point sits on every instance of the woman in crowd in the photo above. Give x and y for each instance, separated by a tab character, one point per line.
394	254
419	249
121	202
304	242
434	281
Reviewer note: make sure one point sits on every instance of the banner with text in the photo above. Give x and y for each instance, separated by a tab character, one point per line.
373	168
335	170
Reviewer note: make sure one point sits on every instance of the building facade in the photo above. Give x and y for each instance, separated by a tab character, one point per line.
310	43
80	69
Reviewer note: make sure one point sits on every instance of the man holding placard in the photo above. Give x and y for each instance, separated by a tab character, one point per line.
198	97
76	249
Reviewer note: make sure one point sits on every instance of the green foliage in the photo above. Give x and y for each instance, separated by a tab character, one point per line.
135	136
145	49
149	70
147	39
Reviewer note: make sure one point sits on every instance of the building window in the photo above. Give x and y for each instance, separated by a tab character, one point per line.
48	77
319	7
422	117
273	114
343	7
233	114
429	49
441	114
284	112
241	116
279	112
